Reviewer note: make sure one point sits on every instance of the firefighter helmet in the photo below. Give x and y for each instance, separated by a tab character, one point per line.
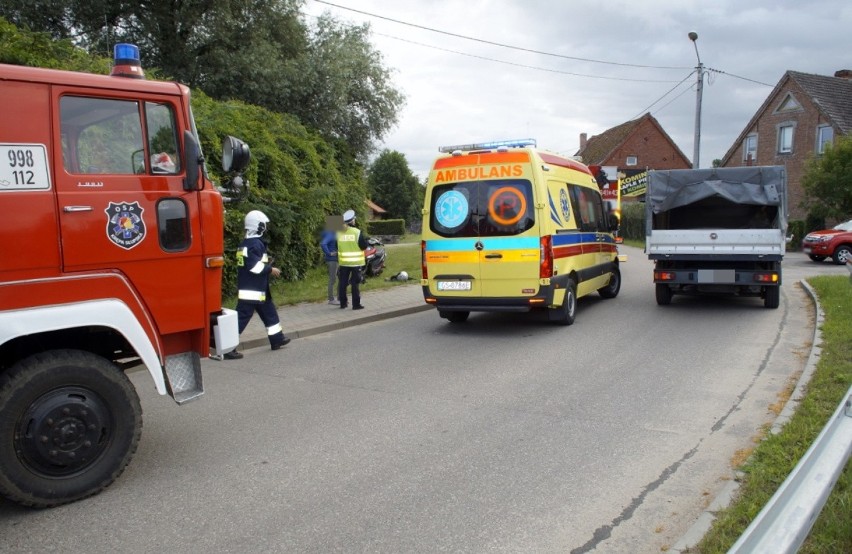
256	222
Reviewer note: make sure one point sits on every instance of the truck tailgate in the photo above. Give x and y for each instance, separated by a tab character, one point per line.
737	242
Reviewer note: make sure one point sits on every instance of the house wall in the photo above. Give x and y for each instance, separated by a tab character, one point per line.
651	148
806	121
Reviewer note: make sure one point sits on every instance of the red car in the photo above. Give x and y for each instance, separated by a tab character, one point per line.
833	243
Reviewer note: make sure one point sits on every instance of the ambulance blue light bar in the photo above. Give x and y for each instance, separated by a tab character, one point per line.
516	143
126	61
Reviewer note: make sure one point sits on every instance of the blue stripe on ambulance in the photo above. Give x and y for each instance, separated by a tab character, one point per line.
491	243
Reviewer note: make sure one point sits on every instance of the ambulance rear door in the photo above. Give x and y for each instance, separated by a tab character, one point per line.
488	243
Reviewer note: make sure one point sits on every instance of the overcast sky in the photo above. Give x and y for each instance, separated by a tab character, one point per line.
461	91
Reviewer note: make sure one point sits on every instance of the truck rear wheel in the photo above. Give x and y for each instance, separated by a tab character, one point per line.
772	297
664	294
70	422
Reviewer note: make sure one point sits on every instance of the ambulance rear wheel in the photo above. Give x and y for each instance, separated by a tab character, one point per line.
614	285
70	421
567	312
664	294
455	317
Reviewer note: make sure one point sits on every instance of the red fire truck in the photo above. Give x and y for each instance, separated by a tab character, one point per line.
111	236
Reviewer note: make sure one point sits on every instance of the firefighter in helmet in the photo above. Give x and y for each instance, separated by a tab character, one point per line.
254	268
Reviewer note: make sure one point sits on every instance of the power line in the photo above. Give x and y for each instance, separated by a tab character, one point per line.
663	96
496	43
737	76
522	65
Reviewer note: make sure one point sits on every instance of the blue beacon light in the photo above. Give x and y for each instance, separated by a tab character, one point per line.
126	61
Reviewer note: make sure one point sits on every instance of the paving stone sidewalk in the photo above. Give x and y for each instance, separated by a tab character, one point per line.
311	318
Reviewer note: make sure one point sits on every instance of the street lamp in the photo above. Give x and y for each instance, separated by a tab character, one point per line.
693	36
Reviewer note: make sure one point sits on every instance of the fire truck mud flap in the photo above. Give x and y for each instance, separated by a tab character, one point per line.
184	374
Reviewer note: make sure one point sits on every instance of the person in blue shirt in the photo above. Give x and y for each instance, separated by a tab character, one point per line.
328	243
254	268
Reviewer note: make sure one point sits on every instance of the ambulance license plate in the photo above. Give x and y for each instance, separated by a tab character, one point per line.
453	285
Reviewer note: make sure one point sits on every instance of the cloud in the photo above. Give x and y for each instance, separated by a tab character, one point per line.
454	98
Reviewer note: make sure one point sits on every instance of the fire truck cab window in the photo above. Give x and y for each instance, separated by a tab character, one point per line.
173	225
101	136
162	138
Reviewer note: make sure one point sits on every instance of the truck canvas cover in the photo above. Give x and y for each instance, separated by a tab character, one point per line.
758	185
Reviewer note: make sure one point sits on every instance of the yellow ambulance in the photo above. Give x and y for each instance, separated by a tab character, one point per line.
508	227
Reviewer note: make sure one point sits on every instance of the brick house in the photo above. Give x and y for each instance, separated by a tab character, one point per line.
800	116
374	211
631	149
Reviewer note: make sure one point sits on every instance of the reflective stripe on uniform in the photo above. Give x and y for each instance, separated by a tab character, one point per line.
274	329
260	266
349	254
257	295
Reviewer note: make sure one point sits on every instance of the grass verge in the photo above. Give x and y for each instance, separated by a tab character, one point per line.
777	455
404	256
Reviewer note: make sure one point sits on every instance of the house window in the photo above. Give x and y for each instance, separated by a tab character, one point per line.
785	139
632	160
825	135
750	149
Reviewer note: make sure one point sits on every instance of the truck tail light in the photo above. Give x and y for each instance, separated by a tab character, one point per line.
423	270
545	270
664	276
766	277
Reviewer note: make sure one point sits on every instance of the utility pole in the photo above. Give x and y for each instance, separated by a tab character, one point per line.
693	36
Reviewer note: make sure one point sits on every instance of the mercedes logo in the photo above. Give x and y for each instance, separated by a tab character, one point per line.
479	245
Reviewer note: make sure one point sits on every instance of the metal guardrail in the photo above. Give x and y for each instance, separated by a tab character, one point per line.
784	523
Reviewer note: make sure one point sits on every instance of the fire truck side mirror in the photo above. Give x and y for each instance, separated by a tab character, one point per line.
235	154
193	161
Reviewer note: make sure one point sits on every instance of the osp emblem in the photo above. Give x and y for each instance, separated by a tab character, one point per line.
125	226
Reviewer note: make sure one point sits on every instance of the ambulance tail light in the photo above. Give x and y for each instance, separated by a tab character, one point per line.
766	277
545	270
664	276
423	270
126	62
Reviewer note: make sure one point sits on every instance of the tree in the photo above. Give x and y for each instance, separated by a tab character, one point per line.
394	187
343	90
827	181
257	51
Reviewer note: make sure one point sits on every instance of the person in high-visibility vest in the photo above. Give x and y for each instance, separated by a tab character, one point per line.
351	243
254	267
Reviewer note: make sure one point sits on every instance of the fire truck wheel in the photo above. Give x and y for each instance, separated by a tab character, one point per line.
614	285
567	312
70	423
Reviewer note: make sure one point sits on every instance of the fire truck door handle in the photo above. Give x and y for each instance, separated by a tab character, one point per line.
493	256
70	209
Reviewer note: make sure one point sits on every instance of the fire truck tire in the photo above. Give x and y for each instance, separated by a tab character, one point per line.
614	285
70	422
772	297
567	312
664	294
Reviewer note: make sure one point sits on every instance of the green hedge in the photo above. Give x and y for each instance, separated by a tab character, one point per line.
633	221
386	227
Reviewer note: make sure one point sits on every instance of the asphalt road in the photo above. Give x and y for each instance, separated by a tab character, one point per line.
414	435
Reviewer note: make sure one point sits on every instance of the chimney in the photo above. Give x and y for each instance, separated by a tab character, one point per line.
844	74
583	139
